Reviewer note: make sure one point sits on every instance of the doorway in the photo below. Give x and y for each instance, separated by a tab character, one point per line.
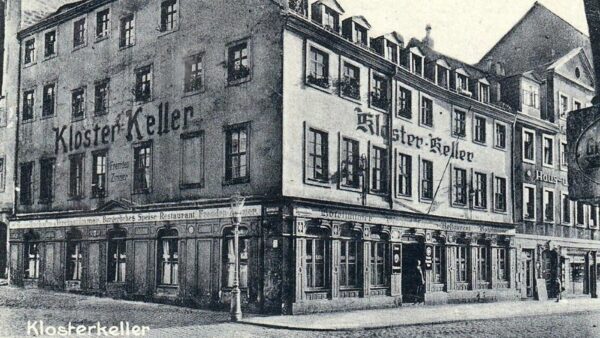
411	253
550	272
528	271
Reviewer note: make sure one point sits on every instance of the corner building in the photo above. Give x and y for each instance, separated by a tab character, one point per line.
361	158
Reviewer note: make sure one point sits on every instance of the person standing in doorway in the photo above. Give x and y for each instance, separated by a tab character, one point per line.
420	283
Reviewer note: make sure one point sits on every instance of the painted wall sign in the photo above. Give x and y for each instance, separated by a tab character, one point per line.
373	124
138	126
141	217
119	171
546	177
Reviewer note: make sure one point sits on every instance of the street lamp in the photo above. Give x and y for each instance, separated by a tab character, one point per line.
237	204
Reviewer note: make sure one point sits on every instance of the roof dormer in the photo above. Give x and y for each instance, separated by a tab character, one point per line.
416	61
483	90
327	13
389	46
461	82
442	73
356	29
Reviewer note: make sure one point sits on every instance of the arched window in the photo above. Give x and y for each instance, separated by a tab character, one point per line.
316	257
350	258
228	257
379	260
117	256
74	256
168	257
32	256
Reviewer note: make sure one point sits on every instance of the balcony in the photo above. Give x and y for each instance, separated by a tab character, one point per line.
322	81
350	88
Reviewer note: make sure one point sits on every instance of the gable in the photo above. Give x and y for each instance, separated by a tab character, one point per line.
578	69
333	4
442	62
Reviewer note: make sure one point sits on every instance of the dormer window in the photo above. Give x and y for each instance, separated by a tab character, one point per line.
416	65
330	19
531	96
327	16
484	92
360	35
442	75
356	29
391	52
462	82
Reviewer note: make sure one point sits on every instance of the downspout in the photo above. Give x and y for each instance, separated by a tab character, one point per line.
17	126
390	129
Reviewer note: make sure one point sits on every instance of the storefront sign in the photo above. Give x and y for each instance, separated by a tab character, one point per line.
372	124
138	126
145	217
428	256
397	258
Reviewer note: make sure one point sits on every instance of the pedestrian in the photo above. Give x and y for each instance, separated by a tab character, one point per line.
559	289
420	282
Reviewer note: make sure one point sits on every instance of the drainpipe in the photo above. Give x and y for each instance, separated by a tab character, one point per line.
17	125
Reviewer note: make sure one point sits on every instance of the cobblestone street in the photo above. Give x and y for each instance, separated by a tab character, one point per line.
17	306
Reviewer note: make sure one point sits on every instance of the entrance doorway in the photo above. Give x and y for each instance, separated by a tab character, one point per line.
3	249
528	272
411	253
550	272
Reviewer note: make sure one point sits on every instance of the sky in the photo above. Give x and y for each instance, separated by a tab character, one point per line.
464	29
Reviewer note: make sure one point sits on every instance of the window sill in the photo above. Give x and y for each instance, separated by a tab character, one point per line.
482	208
239	180
500	148
76	198
142	192
317	87
78	47
529	161
425	200
233	83
549	166
481	143
194	92
139	102
187	186
459	205
102	38
459	137
317	183
79	118
31	64
49	57
98	197
498	211
126	46
165	32
45	201
381	110
47	117
421	124
99	114
404	197
380	193
349	188
351	99
405	118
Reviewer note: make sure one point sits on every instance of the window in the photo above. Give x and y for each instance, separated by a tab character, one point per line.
528	146
238	63
502	264
350	85
127	32
426	179
438	266
460	186
563	155
330	19
530	97
102	24
484	93
76	176
548	206
580	212
350	163
404	103
480	130
462	83
47	179
461	264
78	103
168	257
404	180
500	136
379	170
142	172
426	112
99	172
360	34
318	73
29	55
316	262
593	216
25	184
483	258
500	194
442	76
101	91
2	174
392	52
318	156
349	262
576	105
229	260
563	106
49	100
379	263
194	74
28	102
168	15
379	93
529	202
548	150
480	187
117	256
143	84
79	33
460	121
566	209
50	43
417	64
32	260
192	160
236	154
74	257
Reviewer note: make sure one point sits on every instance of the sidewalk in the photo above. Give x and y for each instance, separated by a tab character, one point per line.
414	315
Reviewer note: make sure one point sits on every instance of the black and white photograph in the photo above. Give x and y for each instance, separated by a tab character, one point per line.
299	168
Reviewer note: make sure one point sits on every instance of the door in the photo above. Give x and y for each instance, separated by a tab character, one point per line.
411	253
549	271
529	273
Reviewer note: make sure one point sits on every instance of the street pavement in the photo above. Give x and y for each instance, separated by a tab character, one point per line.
18	306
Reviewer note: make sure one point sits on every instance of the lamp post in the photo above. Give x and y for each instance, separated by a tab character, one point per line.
237	204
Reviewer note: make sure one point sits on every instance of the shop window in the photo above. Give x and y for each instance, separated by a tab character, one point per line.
529	202
229	260
142	174
480	130
379	93
76	176
103	23
143	84
483	263
47	166
528	146
117	256
74	256
460	122
78	103
426	179
438	266
405	103
317	156
79	33
99	172
350	258
127	32
168	257
28	105
460	186
404	176
318	71
480	190
461	263
350	84
426	112
50	43
502	264
548	150
32	257
194	74
350	163
168	15
238	63
566	209
237	143
500	194
101	91
49	100
379	170
26	193
500	136
317	259
29	54
192	160
379	261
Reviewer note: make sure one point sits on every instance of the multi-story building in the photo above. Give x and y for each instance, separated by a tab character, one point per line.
557	238
369	164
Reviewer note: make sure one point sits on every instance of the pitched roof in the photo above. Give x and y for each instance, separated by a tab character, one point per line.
333	4
36	10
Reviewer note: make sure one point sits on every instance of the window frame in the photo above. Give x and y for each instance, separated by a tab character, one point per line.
379	90
2	173
43	198
79	44
308	158
562	209
123	31
408	176
478	132
347	82
98	85
29	183
455	188
30	242
188	82
546	137
344	264
422	179
96	177
54	101
249	50
74	93
31	52
505	138
504	194
563	114
201	180
577	214
356	163
483	204
575	103
169	235
140	94
175	16
455	114
78	261
533	146
137	185
55	44
422	122
324	81
76	184
404	106
311	279
378	165
546	192
228	178
462	263
483	93
105	33
26	106
524	206
563	153
114	238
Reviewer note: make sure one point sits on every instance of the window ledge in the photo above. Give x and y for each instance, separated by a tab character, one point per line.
381	110
99	114
459	205
504	212
481	143
316	183
233	83
194	92
126	46
550	166
349	188
142	102
165	32
421	124
47	117
483	208
351	99
500	148
239	180
31	64
317	87
405	118
404	197
49	57
529	161
187	186
78	47
102	38
79	118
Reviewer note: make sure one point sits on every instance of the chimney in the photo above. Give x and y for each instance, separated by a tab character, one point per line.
592	13
428	40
